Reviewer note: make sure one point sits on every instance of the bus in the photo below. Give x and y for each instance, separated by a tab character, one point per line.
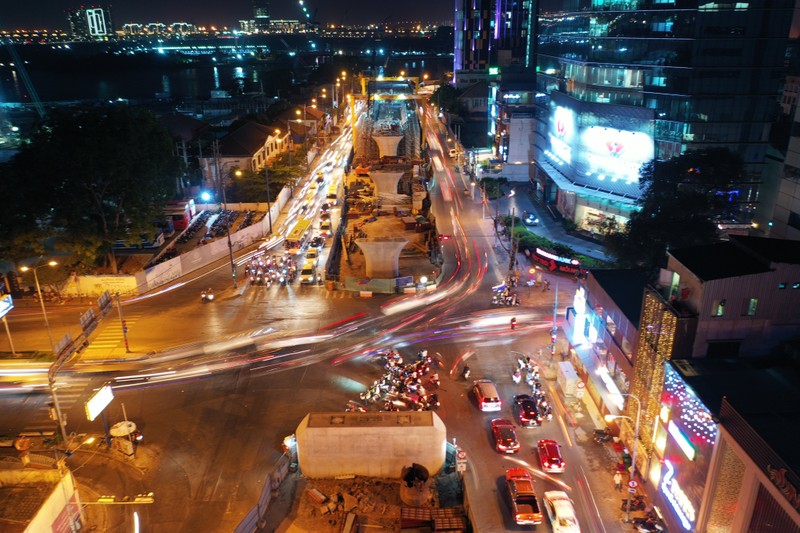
297	237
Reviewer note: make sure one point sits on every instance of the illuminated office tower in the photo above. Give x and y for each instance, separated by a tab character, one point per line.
629	81
261	14
90	23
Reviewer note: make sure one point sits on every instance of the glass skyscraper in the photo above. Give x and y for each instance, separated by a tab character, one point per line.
628	80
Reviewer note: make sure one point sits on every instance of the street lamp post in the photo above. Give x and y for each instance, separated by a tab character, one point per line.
51	378
632	472
39	294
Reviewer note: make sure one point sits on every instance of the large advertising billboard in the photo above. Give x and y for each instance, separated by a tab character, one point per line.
602	146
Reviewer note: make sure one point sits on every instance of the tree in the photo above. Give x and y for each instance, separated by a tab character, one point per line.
682	200
88	178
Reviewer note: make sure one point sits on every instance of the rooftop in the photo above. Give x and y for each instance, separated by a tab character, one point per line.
767	398
625	287
720	260
773	250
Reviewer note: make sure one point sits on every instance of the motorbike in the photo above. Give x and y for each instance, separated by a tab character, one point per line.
637	503
648	524
466	373
207	295
602	436
514	323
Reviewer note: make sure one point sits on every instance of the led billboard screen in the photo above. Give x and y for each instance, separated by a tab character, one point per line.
601	146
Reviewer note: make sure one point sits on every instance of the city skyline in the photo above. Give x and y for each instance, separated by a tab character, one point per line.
50	14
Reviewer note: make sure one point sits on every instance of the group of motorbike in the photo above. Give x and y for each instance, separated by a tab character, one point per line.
503	295
268	269
403	386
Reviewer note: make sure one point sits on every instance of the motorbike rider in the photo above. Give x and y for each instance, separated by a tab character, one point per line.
466	372
513	323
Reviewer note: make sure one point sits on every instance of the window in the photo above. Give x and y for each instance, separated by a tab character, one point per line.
718	308
750	305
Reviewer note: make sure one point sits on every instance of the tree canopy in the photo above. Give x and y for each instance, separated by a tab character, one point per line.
85	179
682	200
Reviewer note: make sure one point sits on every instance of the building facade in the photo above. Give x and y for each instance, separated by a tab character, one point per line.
90	23
629	81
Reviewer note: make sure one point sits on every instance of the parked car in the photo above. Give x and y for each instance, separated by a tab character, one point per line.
505	436
550	456
560	512
527	411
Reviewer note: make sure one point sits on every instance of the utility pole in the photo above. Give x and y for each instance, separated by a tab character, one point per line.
512	256
227	218
123	323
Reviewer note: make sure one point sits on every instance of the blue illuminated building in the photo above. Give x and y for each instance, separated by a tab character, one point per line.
630	80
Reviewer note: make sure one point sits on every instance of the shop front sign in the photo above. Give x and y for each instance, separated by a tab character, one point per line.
677	498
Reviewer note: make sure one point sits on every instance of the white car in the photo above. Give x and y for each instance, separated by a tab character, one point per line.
560	512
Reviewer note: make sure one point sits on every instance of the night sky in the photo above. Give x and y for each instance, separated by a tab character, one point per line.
50	13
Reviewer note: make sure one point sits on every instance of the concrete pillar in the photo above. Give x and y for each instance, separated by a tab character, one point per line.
385	181
387	144
382	255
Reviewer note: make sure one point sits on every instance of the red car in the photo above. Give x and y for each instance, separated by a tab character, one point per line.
550	456
505	436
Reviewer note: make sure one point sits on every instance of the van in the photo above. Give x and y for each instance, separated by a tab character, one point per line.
486	395
308	274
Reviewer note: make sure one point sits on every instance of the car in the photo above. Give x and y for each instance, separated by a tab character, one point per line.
325	228
560	512
312	255
325	207
530	219
308	274
505	436
452	152
527	410
325	215
521	491
317	242
486	395
550	456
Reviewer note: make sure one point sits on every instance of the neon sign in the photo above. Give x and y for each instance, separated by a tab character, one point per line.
677	498
683	443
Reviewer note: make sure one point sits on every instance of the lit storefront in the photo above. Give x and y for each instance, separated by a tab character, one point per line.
683	443
601	328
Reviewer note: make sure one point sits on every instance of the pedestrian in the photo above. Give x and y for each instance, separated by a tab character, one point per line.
618	481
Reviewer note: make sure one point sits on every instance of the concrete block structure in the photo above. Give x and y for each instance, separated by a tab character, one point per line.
370	444
382	255
387	144
386	182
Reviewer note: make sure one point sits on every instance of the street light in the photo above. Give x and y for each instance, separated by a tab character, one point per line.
609	418
51	378
39	293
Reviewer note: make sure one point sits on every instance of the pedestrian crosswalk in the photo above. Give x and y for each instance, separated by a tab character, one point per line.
110	340
70	392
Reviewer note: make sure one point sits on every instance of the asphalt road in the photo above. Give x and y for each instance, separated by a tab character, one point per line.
210	438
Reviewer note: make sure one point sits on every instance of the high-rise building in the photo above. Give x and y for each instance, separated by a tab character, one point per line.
493	33
90	23
261	15
474	33
629	81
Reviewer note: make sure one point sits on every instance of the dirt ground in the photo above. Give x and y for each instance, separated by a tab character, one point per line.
376	500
